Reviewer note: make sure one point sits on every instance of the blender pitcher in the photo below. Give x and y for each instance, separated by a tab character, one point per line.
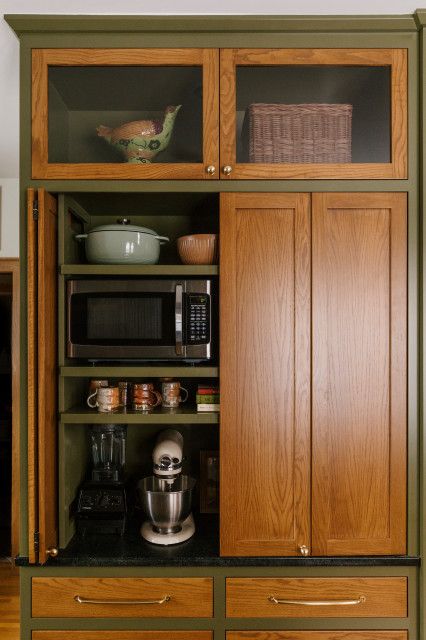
108	452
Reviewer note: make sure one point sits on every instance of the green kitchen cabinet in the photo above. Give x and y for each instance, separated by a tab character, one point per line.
79	73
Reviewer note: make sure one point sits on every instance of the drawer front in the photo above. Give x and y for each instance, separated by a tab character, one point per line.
315	635
125	635
316	597
122	597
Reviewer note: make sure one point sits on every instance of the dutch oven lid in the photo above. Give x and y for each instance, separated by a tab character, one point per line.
123	224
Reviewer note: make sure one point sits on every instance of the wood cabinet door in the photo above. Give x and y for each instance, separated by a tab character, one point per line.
359	395
75	92
269	144
307	635
265	373
42	373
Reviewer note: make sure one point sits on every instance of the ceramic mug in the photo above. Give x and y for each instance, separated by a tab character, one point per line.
171	392
94	385
105	399
145	397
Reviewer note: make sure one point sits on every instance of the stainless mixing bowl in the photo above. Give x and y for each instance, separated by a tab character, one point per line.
167	506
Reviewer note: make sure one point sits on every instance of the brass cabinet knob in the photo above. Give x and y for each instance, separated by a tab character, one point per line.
227	169
211	169
304	550
52	552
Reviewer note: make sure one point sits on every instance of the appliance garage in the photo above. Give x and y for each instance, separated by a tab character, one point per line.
220	362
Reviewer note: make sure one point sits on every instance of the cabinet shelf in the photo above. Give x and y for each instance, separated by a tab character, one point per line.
187	415
140	269
134	371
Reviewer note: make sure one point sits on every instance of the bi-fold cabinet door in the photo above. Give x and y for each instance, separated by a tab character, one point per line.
42	223
313	374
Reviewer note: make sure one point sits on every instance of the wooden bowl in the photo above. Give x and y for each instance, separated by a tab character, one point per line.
199	248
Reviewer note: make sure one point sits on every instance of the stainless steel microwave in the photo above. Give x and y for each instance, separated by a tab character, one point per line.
136	319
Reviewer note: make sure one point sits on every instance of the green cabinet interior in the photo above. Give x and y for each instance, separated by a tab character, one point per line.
89	198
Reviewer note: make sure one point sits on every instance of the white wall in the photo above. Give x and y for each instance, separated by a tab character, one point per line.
9	57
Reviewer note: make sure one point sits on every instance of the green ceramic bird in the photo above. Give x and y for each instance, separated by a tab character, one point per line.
141	140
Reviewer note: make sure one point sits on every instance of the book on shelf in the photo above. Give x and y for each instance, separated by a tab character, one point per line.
209	407
212	398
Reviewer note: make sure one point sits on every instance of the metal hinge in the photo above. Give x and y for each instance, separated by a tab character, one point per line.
36	541
35	210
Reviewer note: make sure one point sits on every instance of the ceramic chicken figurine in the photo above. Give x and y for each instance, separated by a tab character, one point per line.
141	140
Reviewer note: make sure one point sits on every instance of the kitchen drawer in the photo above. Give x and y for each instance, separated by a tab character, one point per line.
303	597
312	635
122	597
131	635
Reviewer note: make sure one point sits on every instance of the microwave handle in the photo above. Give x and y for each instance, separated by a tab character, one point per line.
178	319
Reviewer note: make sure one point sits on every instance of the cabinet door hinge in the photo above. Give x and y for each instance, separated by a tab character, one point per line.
35	210
36	541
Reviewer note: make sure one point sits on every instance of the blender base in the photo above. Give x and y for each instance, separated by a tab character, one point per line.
188	530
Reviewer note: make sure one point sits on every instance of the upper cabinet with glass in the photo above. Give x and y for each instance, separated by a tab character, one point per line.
313	113
283	113
125	113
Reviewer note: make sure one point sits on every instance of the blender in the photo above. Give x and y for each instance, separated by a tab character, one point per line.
102	500
166	495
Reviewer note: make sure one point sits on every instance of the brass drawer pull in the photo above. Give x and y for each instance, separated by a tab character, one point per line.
81	600
319	603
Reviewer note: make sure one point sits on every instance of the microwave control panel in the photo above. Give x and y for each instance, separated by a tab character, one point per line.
197	318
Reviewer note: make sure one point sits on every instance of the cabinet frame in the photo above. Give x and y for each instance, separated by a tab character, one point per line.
207	58
396	59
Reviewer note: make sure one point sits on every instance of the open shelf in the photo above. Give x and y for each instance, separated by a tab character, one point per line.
135	371
139	269
187	415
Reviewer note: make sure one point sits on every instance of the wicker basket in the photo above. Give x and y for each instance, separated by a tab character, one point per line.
300	132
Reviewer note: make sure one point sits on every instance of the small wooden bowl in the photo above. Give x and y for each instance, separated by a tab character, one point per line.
199	248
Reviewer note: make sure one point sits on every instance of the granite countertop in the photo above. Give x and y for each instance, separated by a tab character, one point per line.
200	551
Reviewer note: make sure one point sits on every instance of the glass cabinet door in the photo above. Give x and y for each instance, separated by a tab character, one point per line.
125	113
313	113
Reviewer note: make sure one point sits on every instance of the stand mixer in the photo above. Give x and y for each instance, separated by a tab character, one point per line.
166	495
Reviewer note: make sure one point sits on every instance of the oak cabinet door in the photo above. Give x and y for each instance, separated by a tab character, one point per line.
312	635
313	113
265	373
42	373
125	113
359	336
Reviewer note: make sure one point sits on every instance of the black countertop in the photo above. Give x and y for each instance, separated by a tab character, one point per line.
202	550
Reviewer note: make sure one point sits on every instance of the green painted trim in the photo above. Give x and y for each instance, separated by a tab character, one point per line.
137	372
217	186
140	270
420	18
23	24
79	415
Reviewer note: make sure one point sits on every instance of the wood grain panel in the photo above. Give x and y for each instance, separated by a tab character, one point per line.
139	635
315	635
42	58
189	597
396	59
32	375
265	373
249	597
359	414
47	371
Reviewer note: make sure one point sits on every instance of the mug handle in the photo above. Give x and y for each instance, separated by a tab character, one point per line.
186	394
158	397
92	395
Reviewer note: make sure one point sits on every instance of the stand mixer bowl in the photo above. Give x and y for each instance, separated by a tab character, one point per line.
166	505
